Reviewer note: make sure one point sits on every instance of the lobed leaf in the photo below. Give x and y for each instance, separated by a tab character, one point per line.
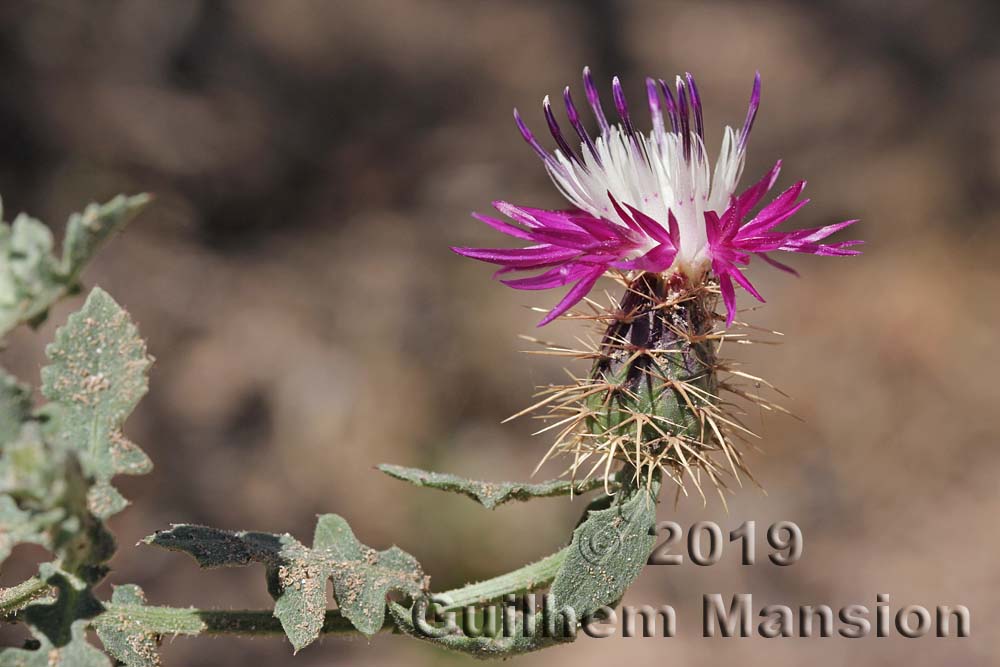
80	540
44	499
27	466
364	577
77	653
96	378
124	639
297	575
18	526
29	274
85	232
490	494
59	626
32	279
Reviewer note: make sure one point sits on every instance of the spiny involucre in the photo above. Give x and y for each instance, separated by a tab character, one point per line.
651	211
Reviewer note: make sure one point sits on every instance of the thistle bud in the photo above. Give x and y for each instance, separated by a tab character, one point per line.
651	401
657	362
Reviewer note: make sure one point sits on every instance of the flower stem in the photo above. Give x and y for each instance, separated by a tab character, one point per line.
178	621
528	578
15	597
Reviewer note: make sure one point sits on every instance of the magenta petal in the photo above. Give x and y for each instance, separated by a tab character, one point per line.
752	195
818	233
822	250
574	120
651	227
625	217
653	97
685	115
550	118
595	102
574	296
504	271
782	201
728	295
751	113
746	284
556	277
536	217
712	227
674	230
602	229
778	265
503	226
699	122
675	121
656	260
762	224
804	241
518	257
622	107
547	157
564	239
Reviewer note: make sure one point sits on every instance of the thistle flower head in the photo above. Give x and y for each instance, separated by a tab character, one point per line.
648	202
653	212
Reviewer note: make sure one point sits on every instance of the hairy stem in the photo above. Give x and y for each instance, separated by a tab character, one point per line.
177	621
15	597
528	578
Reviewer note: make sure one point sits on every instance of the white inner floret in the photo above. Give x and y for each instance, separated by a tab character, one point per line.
654	177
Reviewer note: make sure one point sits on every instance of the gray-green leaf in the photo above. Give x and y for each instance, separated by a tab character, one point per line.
95	380
29	274
60	627
608	551
18	526
363	577
85	232
32	279
77	653
27	467
44	500
297	575
490	494
124	639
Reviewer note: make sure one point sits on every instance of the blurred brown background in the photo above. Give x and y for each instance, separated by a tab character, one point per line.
312	162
